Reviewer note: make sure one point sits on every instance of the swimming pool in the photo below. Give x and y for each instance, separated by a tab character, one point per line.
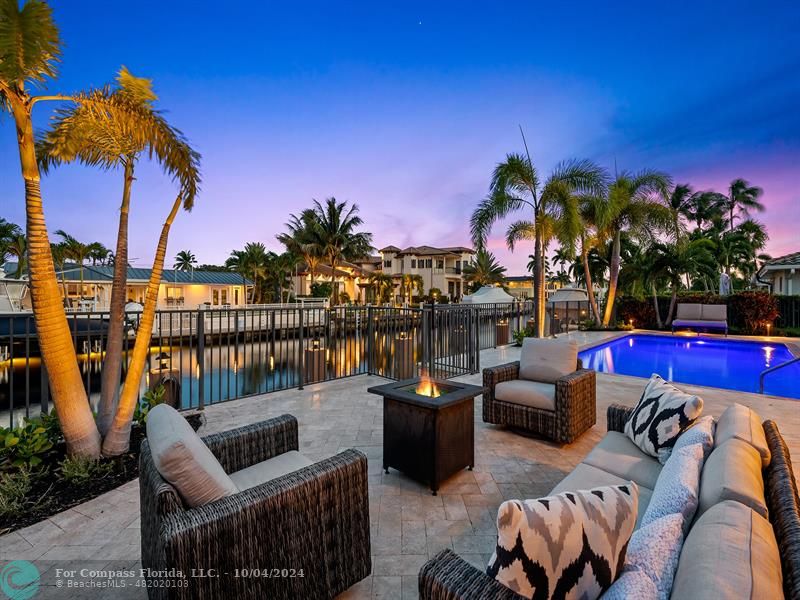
730	364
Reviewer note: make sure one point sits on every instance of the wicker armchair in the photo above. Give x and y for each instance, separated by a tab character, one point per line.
307	531
575	404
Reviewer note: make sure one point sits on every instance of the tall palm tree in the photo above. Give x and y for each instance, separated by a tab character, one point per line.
335	234
630	206
59	260
411	282
704	207
30	49
678	200
184	261
75	250
552	209
674	261
483	270
237	262
742	199
300	239
112	129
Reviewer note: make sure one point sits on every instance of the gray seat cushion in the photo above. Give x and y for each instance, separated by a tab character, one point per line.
527	393
621	457
742	423
689	311
715	312
183	459
733	472
547	360
730	552
586	477
698	323
269	469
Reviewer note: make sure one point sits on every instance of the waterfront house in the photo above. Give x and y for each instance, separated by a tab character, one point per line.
178	289
440	268
782	274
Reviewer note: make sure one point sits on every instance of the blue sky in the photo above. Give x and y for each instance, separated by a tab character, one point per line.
406	107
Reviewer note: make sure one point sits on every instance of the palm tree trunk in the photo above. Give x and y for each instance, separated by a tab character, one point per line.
112	365
55	341
538	280
118	438
587	275
612	279
672	303
334	285
655	305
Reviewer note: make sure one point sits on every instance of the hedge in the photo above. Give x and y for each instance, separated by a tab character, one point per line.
748	312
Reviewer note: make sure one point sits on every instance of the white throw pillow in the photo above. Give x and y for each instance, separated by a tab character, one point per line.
655	549
546	360
677	489
661	415
183	459
702	432
569	545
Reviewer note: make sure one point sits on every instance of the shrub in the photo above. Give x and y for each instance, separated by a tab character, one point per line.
641	312
14	489
150	399
752	310
81	469
321	290
521	334
25	445
344	298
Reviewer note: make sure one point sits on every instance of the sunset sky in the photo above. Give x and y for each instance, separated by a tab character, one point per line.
405	108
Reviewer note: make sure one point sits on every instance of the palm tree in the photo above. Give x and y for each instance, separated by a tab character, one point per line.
704	207
742	199
77	251
674	261
300	240
483	270
279	268
383	284
59	260
335	234
8	232
18	248
112	128
237	262
184	261
552	207
678	201
630	206
410	283
98	253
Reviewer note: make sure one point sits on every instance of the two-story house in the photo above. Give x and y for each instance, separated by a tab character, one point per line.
440	268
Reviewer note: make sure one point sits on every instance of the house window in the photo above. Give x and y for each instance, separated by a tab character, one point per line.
225	296
174	292
413	263
440	264
428	263
387	264
215	297
236	296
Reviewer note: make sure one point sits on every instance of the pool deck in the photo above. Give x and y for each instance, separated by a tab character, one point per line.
408	524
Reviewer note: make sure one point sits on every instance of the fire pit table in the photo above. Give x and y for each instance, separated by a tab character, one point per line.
428	428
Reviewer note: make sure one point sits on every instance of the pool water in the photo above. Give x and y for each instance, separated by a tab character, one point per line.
729	364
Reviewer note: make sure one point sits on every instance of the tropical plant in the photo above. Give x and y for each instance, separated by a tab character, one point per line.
383	284
300	239
335	235
742	199
18	248
151	398
411	282
483	270
675	261
321	289
76	251
98	253
251	263
80	469
552	208
26	444
112	129
15	488
30	49
630	206
184	261
8	233
704	207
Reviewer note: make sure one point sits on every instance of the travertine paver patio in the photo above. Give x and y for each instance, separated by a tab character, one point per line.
408	524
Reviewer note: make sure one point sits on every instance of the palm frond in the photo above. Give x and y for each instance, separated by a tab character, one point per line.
30	46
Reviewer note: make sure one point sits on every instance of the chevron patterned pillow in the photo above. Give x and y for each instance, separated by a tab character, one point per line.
661	415
570	545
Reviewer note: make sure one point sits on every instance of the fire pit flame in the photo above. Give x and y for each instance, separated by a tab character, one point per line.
427	387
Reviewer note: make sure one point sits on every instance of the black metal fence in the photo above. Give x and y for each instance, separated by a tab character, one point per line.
221	354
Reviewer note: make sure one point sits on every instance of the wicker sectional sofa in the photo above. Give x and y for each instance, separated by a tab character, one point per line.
449	577
306	532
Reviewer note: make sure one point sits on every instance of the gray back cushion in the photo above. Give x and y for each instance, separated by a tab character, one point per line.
183	459
689	312
715	312
546	359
